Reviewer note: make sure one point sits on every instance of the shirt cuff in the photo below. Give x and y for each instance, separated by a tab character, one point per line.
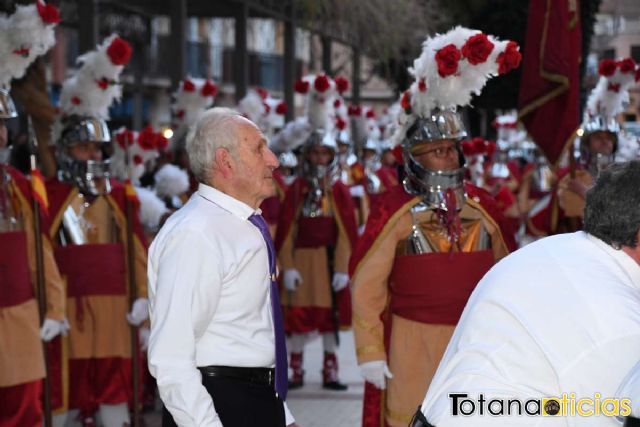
287	415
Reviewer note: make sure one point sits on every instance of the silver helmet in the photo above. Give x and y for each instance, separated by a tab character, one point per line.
594	162
432	185
320	137
90	176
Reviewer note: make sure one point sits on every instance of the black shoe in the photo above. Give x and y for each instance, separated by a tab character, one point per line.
335	385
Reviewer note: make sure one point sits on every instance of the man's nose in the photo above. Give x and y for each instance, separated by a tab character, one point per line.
272	160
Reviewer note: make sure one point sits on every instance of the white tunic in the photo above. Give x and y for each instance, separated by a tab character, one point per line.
561	315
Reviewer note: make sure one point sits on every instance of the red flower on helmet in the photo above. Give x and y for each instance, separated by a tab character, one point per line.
321	83
147	138
354	110
209	89
477	49
337	103
627	65
161	142
124	138
137	160
75	100
370	114
447	59
188	86
491	148
281	108
405	102
103	83
607	67
613	87
262	92
509	59
468	148
119	51
342	84
422	85
340	123
23	51
301	86
48	13
478	145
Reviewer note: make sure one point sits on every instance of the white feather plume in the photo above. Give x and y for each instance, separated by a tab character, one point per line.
171	181
605	101
457	89
82	93
25	36
152	208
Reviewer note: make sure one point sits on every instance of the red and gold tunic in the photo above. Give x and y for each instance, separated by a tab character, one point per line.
406	306
302	243
22	359
97	292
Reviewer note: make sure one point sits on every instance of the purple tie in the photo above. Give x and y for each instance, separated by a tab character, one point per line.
281	346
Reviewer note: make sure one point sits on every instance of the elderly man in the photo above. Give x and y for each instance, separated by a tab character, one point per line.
217	345
556	319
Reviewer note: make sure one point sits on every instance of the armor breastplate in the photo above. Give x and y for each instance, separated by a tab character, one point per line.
429	235
315	202
542	178
374	185
84	223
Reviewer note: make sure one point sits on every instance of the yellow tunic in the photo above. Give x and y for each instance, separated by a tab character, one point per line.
415	348
105	224
21	357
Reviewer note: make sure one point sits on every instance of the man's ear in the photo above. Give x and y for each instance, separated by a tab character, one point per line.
224	162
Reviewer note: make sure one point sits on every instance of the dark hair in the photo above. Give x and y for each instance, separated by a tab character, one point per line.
612	210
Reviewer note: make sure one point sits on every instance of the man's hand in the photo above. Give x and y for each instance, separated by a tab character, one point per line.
143	338
52	328
576	186
376	372
340	281
291	279
139	312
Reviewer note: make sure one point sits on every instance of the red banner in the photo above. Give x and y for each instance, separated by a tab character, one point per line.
550	85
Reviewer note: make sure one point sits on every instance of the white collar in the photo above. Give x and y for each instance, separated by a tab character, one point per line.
227	202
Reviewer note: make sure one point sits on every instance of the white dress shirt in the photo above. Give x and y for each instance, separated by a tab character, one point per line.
209	299
561	315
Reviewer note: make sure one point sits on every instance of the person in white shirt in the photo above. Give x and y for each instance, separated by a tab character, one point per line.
217	344
558	318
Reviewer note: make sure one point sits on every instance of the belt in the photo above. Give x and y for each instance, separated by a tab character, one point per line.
261	376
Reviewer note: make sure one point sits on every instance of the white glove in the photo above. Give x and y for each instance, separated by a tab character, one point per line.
52	328
143	338
139	312
340	281
376	373
291	279
356	191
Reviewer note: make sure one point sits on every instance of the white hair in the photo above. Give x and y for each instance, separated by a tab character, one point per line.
213	130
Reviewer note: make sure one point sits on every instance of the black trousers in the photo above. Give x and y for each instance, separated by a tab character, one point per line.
240	404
